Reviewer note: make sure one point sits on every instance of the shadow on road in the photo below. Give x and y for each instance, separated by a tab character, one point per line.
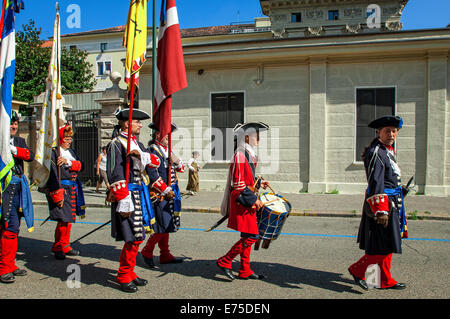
38	258
284	276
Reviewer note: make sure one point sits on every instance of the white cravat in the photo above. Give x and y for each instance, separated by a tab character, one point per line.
67	155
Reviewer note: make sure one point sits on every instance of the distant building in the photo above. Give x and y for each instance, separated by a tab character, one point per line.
316	72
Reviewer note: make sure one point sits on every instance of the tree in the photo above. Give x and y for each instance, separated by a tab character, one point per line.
32	62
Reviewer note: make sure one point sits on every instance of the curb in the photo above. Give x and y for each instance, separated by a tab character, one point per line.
306	212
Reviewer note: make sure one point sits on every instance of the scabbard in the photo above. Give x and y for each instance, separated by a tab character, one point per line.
220	221
92	231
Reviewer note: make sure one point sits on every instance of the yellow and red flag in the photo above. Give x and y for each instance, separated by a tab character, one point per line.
135	39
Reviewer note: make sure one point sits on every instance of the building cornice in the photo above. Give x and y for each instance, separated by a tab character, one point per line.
268	5
353	48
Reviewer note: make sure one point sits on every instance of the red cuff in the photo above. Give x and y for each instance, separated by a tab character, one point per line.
76	166
154	161
23	153
57	195
159	185
181	169
119	190
379	203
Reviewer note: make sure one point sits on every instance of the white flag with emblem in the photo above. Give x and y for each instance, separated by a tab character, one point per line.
52	115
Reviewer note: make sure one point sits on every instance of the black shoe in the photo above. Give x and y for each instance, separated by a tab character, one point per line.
254	276
360	282
7	278
20	272
226	271
398	286
60	255
140	282
128	287
73	252
149	262
175	260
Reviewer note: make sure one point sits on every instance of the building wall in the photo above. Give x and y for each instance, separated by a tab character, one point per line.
344	167
279	101
311	108
447	153
115	52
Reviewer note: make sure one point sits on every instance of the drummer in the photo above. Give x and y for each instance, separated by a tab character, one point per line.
242	200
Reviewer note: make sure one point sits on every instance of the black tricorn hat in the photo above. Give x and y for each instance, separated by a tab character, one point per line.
387	120
154	127
14	117
251	126
123	115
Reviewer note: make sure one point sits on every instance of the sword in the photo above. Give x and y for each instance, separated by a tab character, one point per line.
409	181
46	220
92	231
220	221
407	185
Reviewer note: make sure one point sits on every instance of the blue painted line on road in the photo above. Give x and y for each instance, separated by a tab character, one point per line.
318	235
287	234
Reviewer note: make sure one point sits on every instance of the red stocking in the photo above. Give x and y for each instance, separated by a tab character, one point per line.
8	250
126	273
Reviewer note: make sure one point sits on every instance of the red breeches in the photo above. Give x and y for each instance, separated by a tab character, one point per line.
8	250
359	268
243	248
62	237
126	273
163	243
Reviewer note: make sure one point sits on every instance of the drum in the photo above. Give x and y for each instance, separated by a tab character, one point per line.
271	217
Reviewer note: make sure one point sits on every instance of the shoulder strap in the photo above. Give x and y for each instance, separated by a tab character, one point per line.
372	162
156	148
252	165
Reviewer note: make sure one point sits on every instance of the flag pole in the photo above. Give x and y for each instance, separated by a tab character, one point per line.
58	114
153	56
130	119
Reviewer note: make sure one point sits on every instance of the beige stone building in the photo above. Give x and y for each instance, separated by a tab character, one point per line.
316	72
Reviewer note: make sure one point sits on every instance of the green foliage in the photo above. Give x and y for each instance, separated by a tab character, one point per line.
32	61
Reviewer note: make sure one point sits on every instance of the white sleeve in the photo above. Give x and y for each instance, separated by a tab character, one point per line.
13	149
145	158
125	205
190	164
168	189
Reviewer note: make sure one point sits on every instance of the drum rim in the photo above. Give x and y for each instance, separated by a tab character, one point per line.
276	211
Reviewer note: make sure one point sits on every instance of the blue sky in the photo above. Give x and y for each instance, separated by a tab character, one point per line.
99	14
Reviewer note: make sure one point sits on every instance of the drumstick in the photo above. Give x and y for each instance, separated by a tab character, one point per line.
270	201
255	190
268	184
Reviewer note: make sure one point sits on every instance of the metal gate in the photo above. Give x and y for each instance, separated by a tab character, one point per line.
85	143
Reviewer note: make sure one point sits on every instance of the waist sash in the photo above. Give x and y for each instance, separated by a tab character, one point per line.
176	199
26	203
402	215
148	215
81	205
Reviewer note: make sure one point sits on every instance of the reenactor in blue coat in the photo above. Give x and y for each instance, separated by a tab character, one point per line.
65	193
166	199
131	210
16	203
383	221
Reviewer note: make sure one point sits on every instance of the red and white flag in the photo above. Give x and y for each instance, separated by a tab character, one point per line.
170	71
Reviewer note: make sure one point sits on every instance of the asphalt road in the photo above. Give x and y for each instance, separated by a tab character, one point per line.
309	260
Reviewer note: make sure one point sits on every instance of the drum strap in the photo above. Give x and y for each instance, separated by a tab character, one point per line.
252	165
